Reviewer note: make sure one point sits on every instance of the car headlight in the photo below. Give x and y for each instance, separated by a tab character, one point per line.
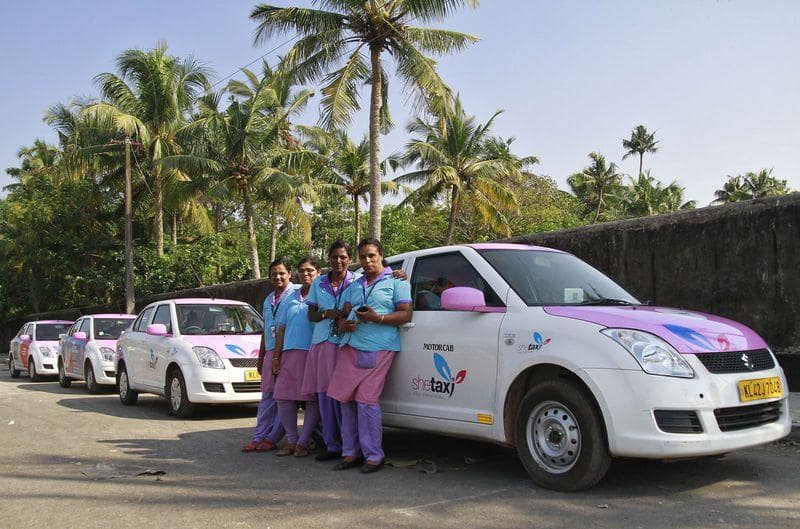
108	354
44	350
208	357
656	356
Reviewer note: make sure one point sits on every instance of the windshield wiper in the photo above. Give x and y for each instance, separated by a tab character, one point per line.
606	301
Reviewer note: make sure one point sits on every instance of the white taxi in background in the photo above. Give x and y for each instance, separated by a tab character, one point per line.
35	348
192	351
89	350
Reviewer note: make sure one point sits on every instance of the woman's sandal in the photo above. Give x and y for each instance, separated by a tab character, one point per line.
300	451
285	451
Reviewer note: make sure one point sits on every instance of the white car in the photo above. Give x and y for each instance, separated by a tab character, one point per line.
533	348
89	350
192	351
35	348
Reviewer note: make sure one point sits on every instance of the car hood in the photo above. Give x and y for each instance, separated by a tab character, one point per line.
228	346
111	344
687	331
52	344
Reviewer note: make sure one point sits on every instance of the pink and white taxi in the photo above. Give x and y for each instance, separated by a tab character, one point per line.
35	348
192	351
89	350
533	348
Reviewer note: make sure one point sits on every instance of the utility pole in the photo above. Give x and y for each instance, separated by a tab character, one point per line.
130	297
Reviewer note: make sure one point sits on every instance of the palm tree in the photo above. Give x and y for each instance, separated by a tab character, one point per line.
345	34
734	189
348	164
639	143
253	134
647	196
148	101
763	184
455	160
595	183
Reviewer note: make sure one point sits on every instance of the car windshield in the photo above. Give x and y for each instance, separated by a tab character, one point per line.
110	328
218	319
50	331
555	278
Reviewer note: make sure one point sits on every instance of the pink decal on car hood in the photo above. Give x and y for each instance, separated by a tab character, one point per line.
686	331
228	346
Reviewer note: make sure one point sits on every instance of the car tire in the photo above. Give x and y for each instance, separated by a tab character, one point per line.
91	382
32	373
127	396
12	366
560	437
179	404
63	380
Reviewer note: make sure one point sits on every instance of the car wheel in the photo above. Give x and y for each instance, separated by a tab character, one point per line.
34	376
127	395
63	380
560	437
91	383
179	404
12	367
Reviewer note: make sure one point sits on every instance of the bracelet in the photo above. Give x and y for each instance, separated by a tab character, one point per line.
324	314
382	316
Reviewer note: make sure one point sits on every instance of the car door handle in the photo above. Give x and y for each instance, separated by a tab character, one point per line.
407	325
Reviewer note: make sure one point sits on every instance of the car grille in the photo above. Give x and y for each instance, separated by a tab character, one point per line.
244	362
742	417
247	387
110	374
214	387
678	421
47	366
737	361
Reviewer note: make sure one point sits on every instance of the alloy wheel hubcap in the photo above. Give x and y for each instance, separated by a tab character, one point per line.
123	383
554	437
175	393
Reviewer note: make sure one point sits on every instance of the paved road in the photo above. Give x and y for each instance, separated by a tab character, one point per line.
71	460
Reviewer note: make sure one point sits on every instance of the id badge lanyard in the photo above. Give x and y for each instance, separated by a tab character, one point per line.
274	310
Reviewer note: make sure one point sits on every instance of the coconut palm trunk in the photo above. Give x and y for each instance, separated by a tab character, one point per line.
356	220
217	218
641	161
174	229
599	204
454	208
251	235
158	191
273	234
375	146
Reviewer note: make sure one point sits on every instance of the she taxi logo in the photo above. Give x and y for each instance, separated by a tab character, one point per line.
538	343
446	385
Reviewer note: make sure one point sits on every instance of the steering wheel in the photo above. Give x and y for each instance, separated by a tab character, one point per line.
193	328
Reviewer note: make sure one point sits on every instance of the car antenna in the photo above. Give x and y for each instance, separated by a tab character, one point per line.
200	281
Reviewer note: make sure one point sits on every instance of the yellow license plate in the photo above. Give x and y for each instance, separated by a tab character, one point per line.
760	388
251	376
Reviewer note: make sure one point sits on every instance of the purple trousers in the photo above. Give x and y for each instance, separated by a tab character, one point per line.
331	413
268	422
287	410
362	431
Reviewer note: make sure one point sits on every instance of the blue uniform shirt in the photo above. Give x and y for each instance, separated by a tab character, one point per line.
293	316
322	297
271	307
383	295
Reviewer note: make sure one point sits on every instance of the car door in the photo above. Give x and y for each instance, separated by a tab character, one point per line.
158	347
68	354
447	367
24	346
79	347
136	351
14	347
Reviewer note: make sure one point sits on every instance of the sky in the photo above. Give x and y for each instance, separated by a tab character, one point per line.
718	81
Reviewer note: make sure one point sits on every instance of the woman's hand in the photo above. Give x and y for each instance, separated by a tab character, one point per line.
347	325
276	364
399	274
367	315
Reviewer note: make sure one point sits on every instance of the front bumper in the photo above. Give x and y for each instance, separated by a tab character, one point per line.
105	373
45	365
220	386
629	400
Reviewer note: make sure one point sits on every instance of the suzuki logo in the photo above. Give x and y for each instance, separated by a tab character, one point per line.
747	362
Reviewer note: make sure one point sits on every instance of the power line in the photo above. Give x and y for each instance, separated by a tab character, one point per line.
276	48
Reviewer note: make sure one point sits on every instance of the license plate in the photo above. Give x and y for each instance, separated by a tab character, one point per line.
251	376
760	388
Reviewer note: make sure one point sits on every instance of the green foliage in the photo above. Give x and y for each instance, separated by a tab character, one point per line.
750	185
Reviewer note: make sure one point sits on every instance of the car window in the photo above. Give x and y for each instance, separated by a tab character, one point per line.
29	329
84	328
396	265
110	328
22	330
436	273
218	319
143	319
50	331
73	328
162	316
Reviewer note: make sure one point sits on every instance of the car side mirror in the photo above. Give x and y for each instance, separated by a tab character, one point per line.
157	329
25	337
79	335
466	299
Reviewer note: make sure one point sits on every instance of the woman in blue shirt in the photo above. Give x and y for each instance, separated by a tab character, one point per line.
293	339
268	425
375	305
